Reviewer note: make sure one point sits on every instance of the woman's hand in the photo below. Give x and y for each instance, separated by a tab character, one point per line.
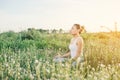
57	56
62	56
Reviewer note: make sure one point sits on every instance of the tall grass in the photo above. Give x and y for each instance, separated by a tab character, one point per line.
102	59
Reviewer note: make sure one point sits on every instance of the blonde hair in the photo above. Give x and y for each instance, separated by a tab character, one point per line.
78	27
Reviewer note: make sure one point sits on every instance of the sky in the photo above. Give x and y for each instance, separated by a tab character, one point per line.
19	15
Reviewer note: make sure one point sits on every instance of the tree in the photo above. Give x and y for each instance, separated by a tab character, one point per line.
61	30
54	31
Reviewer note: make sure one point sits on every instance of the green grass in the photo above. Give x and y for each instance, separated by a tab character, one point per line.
32	59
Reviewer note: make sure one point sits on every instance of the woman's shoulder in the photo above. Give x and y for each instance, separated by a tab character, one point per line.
80	39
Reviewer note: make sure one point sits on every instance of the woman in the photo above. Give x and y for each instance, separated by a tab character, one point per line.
75	47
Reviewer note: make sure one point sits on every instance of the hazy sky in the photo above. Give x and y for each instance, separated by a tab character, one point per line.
48	14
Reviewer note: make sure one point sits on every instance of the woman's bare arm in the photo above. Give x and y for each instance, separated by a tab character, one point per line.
66	55
63	56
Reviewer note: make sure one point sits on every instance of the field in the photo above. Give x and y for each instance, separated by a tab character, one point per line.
28	55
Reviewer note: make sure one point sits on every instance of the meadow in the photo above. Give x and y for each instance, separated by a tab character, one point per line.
28	55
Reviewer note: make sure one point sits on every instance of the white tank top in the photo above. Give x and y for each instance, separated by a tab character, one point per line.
73	48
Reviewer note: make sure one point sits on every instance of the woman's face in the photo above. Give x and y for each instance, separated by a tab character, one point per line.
74	30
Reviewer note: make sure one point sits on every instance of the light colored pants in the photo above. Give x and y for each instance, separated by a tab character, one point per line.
59	59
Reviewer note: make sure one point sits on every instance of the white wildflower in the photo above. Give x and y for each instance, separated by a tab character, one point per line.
36	61
102	65
31	77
